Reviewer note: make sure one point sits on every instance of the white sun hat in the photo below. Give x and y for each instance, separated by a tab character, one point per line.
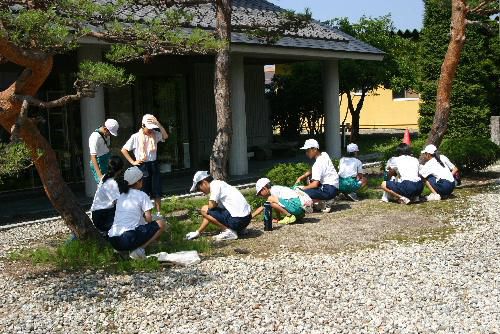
145	120
351	148
132	175
431	149
261	183
112	126
310	143
199	176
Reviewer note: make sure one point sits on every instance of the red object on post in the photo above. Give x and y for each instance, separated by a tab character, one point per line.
407	138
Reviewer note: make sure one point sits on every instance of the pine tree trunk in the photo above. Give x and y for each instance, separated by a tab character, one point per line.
44	157
448	72
222	91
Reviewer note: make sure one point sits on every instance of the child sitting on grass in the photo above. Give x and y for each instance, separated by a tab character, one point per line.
284	200
227	208
324	180
351	177
408	185
438	176
104	203
133	227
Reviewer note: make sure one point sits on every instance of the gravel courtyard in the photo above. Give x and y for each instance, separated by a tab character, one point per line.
437	285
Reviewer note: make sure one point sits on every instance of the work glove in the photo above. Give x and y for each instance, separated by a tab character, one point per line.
192	235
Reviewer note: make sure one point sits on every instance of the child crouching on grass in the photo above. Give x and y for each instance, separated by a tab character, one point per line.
227	208
284	200
437	175
408	185
133	227
351	177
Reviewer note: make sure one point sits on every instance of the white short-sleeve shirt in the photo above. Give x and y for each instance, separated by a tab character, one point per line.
228	197
324	171
130	209
132	144
407	168
106	195
434	168
97	145
447	162
350	167
283	192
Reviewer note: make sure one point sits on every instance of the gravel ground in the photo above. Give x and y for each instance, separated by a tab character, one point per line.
440	286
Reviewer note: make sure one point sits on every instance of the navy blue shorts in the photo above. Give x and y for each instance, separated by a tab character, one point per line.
151	183
325	192
223	216
103	220
442	187
134	239
407	189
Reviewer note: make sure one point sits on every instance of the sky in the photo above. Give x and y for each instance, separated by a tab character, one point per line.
406	14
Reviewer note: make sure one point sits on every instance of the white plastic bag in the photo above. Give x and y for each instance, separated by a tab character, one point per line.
185	258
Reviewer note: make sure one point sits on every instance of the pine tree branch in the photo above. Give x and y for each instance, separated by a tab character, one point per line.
21	118
32	101
484	8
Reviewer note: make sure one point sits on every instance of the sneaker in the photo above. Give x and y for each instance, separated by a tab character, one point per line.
433	197
319	206
288	220
227	234
385	198
308	209
353	197
404	200
138	254
415	199
328	206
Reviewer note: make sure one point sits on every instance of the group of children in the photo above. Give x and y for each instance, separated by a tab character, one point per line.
122	206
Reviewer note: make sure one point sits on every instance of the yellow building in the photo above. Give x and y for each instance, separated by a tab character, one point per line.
385	109
382	109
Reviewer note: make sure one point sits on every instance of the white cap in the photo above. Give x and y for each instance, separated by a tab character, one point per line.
149	117
431	149
352	148
261	183
112	126
310	143
199	176
132	175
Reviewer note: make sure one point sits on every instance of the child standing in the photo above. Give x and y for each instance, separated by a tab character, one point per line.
133	227
99	148
437	174
144	145
283	199
104	204
227	208
351	177
409	184
324	178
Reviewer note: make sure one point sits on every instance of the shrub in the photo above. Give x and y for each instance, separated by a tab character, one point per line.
287	174
470	154
388	150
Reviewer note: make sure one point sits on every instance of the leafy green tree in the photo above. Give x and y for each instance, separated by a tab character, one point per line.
296	100
397	71
464	58
33	32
